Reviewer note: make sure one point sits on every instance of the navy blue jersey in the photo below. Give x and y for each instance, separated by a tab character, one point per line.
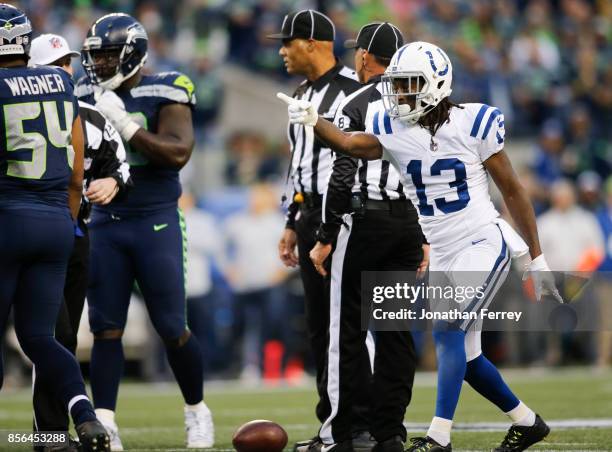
36	156
155	187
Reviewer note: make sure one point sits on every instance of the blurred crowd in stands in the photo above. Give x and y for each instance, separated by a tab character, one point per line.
544	63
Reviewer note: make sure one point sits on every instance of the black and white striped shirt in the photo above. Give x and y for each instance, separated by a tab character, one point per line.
311	159
373	179
104	153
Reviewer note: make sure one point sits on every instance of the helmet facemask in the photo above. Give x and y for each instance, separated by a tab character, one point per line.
103	66
405	96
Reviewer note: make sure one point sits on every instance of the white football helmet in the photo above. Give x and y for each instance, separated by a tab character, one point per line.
419	70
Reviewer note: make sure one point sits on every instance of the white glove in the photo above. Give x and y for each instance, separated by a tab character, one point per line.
543	278
300	111
113	108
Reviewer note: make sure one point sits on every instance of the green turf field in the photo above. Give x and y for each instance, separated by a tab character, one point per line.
150	416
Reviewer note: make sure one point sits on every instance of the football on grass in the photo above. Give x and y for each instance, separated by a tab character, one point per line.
260	436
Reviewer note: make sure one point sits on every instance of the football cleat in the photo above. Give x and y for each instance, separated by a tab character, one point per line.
199	427
344	446
394	444
427	444
521	437
72	446
310	445
113	434
93	437
364	442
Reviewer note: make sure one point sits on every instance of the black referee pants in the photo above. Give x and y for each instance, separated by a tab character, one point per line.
50	414
378	241
316	299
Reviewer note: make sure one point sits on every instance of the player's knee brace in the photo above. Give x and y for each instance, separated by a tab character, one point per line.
178	341
108	334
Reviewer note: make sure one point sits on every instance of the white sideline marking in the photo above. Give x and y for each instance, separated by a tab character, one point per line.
547	443
141	430
564	424
241	412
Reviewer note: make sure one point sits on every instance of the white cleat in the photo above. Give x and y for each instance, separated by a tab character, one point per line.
111	427
199	426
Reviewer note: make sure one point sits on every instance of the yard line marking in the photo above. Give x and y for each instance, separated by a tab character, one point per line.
261	411
563	424
140	430
548	443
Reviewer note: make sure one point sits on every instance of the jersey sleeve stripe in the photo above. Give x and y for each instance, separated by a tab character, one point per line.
387	121
494	114
376	129
168	92
478	120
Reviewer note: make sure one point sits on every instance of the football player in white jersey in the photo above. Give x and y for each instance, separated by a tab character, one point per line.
445	153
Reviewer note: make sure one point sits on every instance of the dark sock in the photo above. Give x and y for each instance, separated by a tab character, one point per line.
186	363
106	369
484	377
82	411
54	363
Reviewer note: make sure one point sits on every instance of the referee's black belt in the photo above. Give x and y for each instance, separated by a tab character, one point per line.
308	200
395	206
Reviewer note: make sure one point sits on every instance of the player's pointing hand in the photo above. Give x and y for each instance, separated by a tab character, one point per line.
300	111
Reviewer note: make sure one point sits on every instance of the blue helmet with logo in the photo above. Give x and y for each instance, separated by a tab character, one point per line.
114	50
15	31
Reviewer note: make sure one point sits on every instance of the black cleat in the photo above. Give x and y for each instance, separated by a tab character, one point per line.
427	444
93	436
394	444
72	446
343	446
520	438
311	445
363	442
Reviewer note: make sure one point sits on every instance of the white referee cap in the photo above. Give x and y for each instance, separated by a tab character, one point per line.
49	48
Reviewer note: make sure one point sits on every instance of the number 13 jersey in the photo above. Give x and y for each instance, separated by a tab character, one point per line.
445	176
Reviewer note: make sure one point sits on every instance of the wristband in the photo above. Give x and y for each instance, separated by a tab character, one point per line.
129	130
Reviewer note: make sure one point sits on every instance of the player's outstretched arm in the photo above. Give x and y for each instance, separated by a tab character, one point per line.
75	186
355	144
171	146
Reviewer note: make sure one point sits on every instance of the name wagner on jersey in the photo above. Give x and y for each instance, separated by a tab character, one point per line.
35	84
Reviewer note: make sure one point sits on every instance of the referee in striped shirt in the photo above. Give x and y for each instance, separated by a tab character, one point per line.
107	176
382	233
307	50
